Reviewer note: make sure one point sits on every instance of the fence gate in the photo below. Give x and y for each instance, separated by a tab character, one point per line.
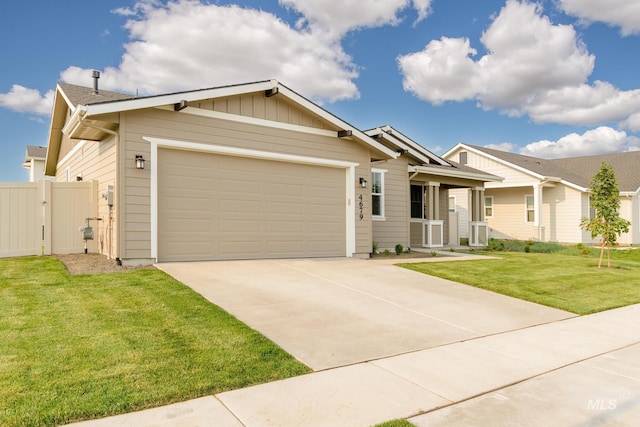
44	217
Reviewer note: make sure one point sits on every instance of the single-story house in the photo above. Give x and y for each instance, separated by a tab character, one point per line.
34	162
545	199
245	171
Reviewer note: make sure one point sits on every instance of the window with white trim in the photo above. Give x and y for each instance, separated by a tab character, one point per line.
377	193
488	207
529	209
417	202
452	203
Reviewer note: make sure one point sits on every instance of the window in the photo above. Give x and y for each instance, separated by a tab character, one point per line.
377	193
592	210
417	207
463	157
452	203
529	209
488	207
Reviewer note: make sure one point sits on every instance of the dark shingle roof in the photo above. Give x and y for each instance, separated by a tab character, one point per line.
625	165
36	152
80	95
577	170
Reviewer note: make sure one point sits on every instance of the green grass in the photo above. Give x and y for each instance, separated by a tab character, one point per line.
395	423
88	346
561	280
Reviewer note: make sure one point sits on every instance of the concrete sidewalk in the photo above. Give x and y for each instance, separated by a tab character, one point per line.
581	371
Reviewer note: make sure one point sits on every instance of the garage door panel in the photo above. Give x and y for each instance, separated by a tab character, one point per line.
244	208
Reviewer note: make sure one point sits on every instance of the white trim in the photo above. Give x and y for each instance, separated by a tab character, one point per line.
492	207
71	153
526	210
382	173
455	173
414	145
349	167
174	98
526	171
455	204
254	121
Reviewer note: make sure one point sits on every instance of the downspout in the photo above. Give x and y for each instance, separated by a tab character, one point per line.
81	118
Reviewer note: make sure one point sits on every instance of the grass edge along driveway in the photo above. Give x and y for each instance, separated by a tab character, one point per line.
567	282
89	346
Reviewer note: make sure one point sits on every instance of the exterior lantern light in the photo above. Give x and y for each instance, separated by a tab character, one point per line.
363	182
139	161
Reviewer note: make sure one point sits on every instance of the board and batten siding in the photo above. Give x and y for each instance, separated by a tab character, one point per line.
177	126
394	227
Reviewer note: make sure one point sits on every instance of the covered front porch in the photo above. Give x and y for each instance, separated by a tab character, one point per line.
435	215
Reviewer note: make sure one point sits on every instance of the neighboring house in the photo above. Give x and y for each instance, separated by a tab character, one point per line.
545	200
34	162
244	172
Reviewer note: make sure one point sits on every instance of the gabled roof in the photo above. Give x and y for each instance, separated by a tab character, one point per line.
626	166
403	143
428	162
35	152
85	105
572	171
80	95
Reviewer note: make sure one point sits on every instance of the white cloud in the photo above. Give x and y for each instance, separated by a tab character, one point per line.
619	13
335	18
532	67
504	146
187	44
602	140
632	122
26	100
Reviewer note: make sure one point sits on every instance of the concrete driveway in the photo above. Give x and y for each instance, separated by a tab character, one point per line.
336	312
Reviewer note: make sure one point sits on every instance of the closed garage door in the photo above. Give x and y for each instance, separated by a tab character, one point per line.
220	207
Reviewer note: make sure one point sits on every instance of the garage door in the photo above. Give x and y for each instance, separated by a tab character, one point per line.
220	207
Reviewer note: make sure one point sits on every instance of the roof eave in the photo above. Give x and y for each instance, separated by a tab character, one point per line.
456	173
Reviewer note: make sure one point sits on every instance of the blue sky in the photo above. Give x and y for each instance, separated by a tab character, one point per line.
553	78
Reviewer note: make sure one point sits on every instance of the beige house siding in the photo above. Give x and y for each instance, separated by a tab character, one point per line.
258	106
95	161
394	228
205	130
508	221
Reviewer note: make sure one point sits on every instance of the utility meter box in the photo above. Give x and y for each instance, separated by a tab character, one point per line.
87	233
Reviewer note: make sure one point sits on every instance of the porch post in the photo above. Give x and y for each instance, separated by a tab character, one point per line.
537	209
434	200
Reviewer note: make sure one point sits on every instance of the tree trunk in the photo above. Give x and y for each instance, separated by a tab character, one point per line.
601	254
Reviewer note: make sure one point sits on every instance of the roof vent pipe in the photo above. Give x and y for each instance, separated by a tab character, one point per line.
96	75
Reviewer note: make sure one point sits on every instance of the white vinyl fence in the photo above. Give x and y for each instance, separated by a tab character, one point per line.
44	217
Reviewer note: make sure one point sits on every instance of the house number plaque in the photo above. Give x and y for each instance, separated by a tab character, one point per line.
361	205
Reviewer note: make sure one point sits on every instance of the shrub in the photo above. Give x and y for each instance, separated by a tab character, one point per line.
433	253
399	249
375	247
387	251
527	249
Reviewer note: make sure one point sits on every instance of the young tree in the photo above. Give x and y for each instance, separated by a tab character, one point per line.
605	200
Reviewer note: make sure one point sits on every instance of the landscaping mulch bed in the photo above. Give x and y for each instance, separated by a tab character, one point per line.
92	264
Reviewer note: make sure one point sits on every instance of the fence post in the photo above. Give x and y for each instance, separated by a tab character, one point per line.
47	207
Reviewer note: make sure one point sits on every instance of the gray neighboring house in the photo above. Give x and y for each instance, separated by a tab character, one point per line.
545	199
34	162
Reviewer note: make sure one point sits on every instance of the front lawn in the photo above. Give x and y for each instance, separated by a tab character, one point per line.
88	346
568	282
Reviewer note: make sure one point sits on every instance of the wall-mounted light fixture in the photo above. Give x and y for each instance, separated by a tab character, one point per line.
139	161
363	182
